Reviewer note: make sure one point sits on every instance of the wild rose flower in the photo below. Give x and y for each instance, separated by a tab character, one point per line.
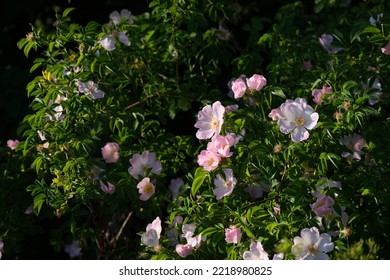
188	233
355	143
90	89
12	144
152	235
297	117
146	189
232	234
256	82
144	164
175	185
221	145
323	205
326	41
239	88
110	152
386	49
311	245
123	38
59	112
210	120
193	242
208	160
319	93
117	17
375	90
73	249
109	188
256	252
43	138
183	250
224	186
108	41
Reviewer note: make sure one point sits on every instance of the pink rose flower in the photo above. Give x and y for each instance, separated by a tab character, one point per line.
117	17
355	143
256	252
297	117
90	89
319	93
109	188
12	144
152	235
183	250
239	88
208	160
323	205
110	152
326	41
232	234
256	82
146	189
224	187
311	245
210	120
144	164
221	145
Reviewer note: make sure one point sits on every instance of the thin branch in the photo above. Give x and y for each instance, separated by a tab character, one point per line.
116	238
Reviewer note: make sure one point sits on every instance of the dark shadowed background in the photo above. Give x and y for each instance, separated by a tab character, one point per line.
16	18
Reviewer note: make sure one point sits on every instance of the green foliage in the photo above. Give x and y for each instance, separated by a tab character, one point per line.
182	56
362	250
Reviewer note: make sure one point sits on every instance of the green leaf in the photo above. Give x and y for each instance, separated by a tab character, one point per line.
67	11
366	192
36	65
200	175
28	47
38	202
279	92
22	43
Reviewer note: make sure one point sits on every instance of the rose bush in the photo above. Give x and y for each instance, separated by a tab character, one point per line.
208	131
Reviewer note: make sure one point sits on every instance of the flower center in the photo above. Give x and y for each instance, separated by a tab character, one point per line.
311	249
214	124
148	189
228	184
299	121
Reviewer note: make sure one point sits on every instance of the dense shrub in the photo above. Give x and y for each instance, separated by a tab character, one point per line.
208	131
